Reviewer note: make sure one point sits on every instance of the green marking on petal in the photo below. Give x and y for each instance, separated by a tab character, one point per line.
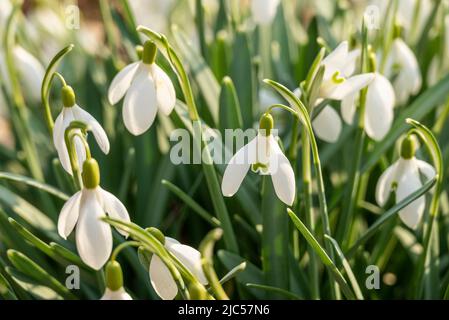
337	79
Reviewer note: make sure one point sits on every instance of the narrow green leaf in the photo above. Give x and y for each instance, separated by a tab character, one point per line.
322	255
230	113
277	291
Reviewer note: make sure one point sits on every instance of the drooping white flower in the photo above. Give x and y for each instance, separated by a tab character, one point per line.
265	157
264	11
119	294
161	278
403	66
403	178
379	114
439	64
30	73
146	88
114	283
72	112
338	84
152	13
84	210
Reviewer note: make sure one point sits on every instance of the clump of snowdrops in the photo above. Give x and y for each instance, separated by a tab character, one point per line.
341	193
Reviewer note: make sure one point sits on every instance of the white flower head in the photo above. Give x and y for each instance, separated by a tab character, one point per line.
265	157
338	83
402	62
403	178
85	210
379	105
264	11
161	278
114	283
72	112
30	72
147	89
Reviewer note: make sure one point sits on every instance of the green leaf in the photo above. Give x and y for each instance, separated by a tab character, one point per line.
322	255
230	113
251	274
35	272
191	203
276	291
26	211
387	215
34	183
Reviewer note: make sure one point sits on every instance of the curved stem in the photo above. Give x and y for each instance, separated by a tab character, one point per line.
122	246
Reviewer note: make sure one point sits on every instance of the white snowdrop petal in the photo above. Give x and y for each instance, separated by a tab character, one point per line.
80	151
379	112
282	174
98	131
237	168
69	215
191	259
162	280
335	60
327	125
119	294
408	183
165	92
114	208
383	187
348	108
121	82
350	86
350	63
31	71
140	106
264	11
426	169
66	117
93	236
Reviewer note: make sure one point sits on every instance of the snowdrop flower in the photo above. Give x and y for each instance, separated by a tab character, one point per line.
85	209
401	61
379	114
439	64
72	112
114	283
146	88
403	178
30	71
265	157
264	11
338	83
161	278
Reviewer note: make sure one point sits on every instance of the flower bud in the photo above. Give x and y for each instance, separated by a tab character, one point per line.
149	52
157	234
91	174
408	147
266	124
68	96
114	275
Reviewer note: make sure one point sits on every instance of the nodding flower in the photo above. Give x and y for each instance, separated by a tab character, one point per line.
146	88
403	178
85	210
264	156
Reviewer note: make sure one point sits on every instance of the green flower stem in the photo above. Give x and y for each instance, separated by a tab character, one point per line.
207	250
207	163
307	188
350	203
72	131
122	246
424	262
50	74
301	112
151	243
